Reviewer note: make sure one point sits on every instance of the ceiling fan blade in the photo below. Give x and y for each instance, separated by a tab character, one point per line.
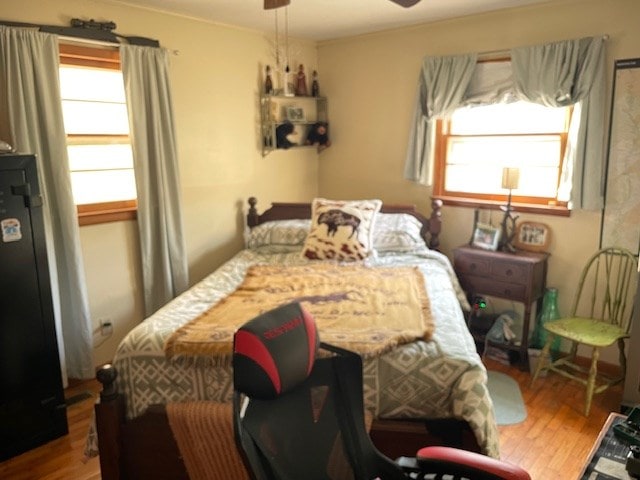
270	4
404	3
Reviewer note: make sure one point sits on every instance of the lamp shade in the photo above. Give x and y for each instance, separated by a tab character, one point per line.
510	178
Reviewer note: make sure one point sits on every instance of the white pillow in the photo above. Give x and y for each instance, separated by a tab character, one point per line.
279	233
397	232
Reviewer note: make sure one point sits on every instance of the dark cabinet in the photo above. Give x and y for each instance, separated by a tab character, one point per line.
32	406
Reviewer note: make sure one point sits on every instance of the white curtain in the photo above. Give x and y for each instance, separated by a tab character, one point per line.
571	73
32	121
441	87
164	262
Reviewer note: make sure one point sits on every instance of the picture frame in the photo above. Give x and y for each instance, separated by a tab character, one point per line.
485	236
295	114
532	236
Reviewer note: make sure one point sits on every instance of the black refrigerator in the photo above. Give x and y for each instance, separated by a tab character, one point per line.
32	406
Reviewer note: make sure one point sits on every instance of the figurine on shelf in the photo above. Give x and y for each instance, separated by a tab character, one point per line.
268	83
319	134
288	90
301	82
315	88
282	133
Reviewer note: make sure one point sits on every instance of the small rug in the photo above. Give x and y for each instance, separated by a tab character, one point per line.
507	398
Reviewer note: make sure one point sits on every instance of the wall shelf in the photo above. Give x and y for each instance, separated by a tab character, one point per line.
302	112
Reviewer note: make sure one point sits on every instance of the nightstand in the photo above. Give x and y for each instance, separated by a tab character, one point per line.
520	277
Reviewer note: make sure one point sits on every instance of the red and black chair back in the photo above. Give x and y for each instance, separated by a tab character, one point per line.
299	414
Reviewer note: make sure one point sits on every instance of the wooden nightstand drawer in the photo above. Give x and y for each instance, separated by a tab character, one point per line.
471	265
510	272
512	291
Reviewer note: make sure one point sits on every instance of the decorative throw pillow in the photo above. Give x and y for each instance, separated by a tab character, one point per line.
341	230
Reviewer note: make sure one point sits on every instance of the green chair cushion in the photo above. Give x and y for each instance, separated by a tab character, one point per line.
586	330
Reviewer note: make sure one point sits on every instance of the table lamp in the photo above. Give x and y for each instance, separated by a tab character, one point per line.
510	180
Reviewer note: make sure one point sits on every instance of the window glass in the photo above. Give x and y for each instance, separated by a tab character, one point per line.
477	142
97	127
101	173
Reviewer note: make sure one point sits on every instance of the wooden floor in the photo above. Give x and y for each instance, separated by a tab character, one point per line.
552	443
61	459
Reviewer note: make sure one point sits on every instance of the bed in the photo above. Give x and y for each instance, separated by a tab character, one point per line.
425	391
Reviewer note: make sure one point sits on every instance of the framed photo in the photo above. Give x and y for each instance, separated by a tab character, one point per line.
295	114
485	236
532	236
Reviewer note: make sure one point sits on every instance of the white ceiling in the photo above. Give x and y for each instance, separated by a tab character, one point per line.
327	19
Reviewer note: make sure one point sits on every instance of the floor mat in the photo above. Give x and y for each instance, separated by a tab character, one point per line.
507	398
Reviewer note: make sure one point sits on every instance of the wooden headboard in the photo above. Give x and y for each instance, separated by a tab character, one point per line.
430	232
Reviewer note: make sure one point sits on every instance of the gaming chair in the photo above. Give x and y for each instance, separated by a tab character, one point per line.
299	414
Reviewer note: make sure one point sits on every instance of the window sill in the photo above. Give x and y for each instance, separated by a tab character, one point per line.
559	211
90	215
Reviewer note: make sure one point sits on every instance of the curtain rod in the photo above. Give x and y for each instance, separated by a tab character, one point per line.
506	51
88	30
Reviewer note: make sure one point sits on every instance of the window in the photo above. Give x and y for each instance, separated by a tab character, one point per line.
97	128
476	142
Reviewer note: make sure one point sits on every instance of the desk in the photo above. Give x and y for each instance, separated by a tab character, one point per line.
519	276
607	449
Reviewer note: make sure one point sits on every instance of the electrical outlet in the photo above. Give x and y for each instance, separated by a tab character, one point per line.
106	327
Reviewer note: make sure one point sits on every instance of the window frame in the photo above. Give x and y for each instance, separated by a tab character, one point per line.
107	58
525	204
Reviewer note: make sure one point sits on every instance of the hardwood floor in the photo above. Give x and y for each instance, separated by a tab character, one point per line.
552	443
61	459
555	439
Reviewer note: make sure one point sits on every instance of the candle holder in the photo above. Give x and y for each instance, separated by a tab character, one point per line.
510	180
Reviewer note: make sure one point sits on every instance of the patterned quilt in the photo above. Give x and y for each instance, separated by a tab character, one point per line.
440	378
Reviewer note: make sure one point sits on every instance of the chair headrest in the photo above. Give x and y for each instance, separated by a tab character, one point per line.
274	352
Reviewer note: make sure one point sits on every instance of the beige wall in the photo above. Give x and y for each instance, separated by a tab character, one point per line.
371	82
216	78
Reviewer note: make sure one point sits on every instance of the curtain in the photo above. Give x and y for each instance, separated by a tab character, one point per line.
441	87
571	73
164	263
557	74
33	122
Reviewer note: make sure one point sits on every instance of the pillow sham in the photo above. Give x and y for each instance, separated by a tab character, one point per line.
279	233
397	232
341	230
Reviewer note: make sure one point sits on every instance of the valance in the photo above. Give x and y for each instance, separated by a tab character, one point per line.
563	73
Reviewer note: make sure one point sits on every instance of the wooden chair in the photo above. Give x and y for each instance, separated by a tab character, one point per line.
600	317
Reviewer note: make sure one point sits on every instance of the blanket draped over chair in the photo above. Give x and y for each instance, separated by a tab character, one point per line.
363	309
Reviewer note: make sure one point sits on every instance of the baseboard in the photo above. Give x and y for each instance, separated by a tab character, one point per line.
604	367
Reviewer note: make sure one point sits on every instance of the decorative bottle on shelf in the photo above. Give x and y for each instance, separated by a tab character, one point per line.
315	87
548	313
288	90
268	83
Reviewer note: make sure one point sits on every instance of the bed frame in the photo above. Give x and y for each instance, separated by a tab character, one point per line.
145	447
430	232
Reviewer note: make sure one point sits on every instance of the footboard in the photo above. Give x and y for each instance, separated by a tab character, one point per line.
146	448
135	449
